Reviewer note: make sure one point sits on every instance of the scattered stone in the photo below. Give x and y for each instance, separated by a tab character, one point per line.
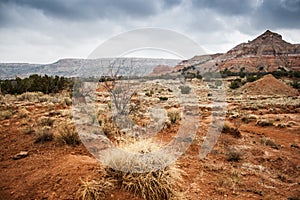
20	155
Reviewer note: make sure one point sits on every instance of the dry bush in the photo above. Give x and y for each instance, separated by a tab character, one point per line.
229	129
233	155
28	130
249	118
264	122
6	114
29	96
43	134
268	142
45	121
22	113
93	190
109	127
66	133
173	116
131	173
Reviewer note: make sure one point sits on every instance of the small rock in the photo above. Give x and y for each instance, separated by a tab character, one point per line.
20	155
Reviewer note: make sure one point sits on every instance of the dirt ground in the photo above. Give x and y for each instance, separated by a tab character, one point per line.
267	167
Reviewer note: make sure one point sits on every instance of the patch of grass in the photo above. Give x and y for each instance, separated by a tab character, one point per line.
28	130
149	94
264	122
185	89
268	142
43	134
174	117
227	129
93	190
6	114
147	182
45	121
249	118
67	134
233	155
163	98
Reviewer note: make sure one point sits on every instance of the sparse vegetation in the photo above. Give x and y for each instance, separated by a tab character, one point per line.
268	142
5	114
264	122
43	134
163	98
173	116
233	155
236	83
185	89
150	184
93	190
67	134
228	129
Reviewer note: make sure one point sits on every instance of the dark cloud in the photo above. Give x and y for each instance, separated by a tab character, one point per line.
85	10
69	28
227	7
259	14
278	14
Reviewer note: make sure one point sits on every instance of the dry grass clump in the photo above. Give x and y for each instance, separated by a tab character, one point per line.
23	112
43	134
233	155
93	190
28	130
264	122
173	116
109	127
138	169
5	114
66	133
249	118
45	121
30	96
229	129
268	142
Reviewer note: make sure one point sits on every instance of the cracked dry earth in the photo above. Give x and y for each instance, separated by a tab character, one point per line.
267	164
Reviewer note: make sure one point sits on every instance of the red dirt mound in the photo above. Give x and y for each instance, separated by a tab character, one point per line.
268	85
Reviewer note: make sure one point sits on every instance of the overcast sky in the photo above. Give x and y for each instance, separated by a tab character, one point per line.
43	31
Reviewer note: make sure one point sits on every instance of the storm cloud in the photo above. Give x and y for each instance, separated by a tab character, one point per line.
44	31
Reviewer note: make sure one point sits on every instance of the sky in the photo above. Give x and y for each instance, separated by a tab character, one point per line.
44	31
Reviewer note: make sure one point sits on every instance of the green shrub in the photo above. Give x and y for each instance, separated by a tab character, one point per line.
174	117
163	98
236	83
36	83
185	89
